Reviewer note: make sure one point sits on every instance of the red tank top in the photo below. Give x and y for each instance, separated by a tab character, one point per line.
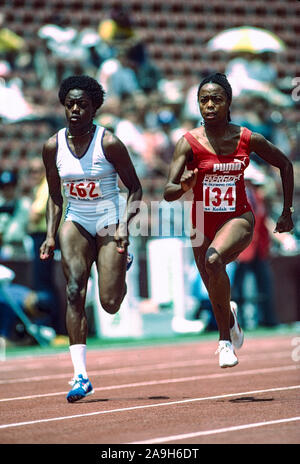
220	183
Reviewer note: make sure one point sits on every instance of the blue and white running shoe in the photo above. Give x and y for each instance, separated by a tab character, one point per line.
81	388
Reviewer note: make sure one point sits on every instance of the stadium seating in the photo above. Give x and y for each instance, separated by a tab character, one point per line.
195	20
174	32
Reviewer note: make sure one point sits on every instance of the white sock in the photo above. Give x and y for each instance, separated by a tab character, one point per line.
78	356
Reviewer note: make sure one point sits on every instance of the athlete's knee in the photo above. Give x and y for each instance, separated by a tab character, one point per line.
213	261
75	291
111	304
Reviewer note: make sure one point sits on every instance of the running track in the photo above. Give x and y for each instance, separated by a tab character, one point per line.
167	394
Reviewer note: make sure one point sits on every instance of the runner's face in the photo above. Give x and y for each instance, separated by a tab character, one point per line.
79	109
213	103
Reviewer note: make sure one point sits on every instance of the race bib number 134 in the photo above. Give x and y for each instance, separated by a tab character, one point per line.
83	189
219	197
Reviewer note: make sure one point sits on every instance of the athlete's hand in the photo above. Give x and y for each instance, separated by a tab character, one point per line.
188	180
284	224
47	249
121	238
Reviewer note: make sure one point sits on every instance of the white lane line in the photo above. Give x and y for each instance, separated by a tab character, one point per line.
279	343
120	370
235	428
133	369
146	406
114	371
268	370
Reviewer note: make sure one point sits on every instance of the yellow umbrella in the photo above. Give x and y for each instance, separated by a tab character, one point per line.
246	39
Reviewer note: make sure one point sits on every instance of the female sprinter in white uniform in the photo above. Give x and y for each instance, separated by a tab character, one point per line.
90	184
86	159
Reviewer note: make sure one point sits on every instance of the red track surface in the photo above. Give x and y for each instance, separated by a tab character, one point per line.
173	394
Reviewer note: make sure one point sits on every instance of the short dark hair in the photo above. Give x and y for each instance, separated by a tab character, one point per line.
220	79
88	84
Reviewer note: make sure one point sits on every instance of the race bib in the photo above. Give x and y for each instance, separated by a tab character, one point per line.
83	189
219	197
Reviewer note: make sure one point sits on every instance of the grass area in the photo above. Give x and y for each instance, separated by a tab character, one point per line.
60	343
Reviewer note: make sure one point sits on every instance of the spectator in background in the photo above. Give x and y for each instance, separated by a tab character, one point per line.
118	76
13	105
131	131
12	46
250	71
14	216
39	192
39	307
63	50
162	142
117	27
255	114
255	74
118	30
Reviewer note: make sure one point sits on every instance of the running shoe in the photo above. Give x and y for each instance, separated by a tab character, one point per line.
227	357
236	333
129	261
81	388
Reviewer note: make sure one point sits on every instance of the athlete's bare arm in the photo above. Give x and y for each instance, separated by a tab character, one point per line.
55	199
117	154
178	180
270	153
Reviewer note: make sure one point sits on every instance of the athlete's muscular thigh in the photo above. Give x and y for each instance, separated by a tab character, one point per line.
78	251
233	237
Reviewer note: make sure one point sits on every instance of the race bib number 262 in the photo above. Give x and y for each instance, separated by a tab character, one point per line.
83	189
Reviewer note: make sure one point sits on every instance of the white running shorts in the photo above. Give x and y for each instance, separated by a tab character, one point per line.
94	220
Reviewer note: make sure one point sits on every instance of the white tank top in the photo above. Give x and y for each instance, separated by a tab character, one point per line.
87	180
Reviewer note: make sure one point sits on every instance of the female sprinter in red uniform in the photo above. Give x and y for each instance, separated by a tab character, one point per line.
215	156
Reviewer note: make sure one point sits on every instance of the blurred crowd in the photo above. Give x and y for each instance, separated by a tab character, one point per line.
148	112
